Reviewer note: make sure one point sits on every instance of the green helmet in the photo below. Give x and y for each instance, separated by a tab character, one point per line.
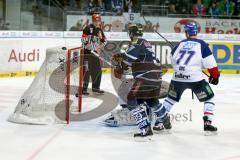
135	29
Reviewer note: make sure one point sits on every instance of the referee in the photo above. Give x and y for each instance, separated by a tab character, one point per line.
93	39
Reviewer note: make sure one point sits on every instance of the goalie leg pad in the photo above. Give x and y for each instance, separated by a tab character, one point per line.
120	117
142	120
141	117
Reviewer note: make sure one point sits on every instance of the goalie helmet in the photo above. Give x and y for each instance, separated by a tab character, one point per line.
135	29
191	28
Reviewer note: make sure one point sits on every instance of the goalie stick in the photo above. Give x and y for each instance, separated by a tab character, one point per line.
109	63
101	58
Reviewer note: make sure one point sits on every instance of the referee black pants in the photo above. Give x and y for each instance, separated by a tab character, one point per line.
92	67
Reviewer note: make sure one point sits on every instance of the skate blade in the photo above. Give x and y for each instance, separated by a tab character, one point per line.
165	131
97	94
209	133
143	139
109	124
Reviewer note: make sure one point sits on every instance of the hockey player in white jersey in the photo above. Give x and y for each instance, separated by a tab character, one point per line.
189	57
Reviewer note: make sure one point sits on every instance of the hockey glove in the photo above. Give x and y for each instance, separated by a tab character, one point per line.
117	61
118	72
214	75
214	81
117	58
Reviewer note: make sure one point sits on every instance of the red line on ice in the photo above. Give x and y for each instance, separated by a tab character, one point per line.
42	147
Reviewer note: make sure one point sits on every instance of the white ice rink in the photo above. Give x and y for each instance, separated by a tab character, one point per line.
93	141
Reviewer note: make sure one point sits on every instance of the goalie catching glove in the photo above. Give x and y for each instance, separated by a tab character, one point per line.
118	60
119	65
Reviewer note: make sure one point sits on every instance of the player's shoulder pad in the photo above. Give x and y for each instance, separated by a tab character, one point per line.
204	48
98	29
202	42
89	27
174	48
92	25
144	43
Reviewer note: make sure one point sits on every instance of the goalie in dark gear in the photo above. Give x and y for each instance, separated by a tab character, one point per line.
123	116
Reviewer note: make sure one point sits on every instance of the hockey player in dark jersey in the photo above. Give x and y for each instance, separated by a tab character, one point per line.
93	39
121	75
147	74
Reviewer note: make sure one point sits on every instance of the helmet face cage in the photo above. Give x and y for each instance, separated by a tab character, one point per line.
191	29
135	30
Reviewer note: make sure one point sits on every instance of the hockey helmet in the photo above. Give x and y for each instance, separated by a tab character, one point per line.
135	29
191	28
96	18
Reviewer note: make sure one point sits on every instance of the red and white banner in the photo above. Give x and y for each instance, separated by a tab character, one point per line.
161	24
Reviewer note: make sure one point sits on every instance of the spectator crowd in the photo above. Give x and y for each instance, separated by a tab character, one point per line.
212	8
102	6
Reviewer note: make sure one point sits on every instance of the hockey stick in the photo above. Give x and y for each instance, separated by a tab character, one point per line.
160	34
104	60
170	43
110	64
101	58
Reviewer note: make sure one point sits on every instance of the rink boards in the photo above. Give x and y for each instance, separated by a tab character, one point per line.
24	51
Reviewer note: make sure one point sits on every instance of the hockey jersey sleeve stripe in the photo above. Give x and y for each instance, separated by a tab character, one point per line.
130	56
209	62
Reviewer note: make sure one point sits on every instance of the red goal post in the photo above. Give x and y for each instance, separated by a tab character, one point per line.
74	55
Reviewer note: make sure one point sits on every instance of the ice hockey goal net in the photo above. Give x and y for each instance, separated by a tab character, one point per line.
57	84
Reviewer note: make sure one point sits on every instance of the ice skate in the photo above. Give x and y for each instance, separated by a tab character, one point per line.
97	91
209	129
145	135
162	126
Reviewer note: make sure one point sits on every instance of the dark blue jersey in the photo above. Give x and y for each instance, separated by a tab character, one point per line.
141	52
143	61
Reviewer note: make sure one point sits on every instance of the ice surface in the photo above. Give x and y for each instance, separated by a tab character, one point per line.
93	141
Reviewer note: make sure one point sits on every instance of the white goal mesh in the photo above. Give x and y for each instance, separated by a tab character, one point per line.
56	83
